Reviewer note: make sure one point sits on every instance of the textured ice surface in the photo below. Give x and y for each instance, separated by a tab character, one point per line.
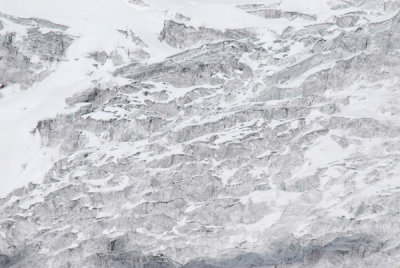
219	134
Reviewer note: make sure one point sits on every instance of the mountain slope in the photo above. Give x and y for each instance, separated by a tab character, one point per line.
200	134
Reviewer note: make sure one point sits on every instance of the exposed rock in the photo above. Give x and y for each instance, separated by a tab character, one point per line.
238	151
18	63
269	13
181	36
193	67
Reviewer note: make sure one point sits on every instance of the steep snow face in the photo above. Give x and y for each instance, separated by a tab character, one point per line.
127	31
222	133
30	50
95	26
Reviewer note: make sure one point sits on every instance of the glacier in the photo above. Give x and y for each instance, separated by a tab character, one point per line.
199	134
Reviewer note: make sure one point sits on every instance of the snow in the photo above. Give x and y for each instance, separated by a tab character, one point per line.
226	174
307	6
273	197
325	152
94	25
23	159
100	115
193	207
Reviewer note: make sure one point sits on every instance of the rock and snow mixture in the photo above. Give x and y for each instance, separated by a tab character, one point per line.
199	134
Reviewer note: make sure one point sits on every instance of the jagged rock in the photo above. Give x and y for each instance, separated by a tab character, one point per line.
391	5
181	17
269	13
128	260
139	3
194	68
181	36
349	20
17	63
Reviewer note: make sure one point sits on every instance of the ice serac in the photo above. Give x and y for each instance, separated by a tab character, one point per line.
181	36
273	142
28	49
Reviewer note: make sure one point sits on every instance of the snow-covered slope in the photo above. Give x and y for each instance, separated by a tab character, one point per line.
154	133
